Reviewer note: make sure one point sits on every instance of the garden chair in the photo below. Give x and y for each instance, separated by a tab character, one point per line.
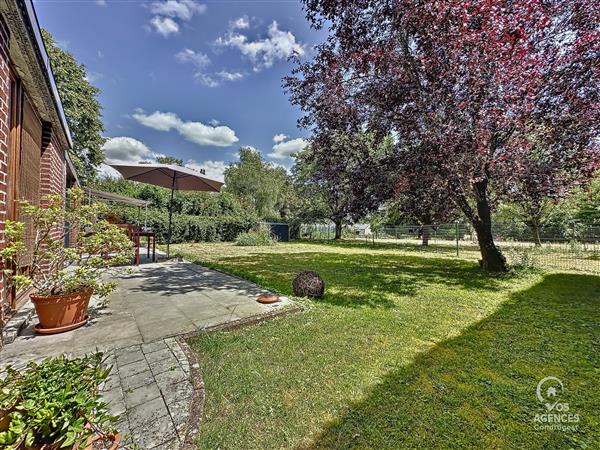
133	233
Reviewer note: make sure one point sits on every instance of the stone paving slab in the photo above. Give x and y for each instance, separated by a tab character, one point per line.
154	301
153	405
151	386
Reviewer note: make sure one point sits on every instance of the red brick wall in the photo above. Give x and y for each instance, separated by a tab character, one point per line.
52	162
53	175
4	131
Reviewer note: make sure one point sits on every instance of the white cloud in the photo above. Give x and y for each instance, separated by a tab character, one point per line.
214	122
157	120
164	26
214	169
105	171
286	149
264	52
230	76
241	23
198	59
101	2
177	9
126	150
168	13
279	138
206	79
196	132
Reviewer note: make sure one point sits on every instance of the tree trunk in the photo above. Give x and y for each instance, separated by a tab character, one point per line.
492	258
338	229
425	235
535	230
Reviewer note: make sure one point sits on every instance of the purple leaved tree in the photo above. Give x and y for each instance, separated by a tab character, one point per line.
476	86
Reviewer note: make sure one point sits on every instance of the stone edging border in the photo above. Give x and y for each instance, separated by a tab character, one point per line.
199	393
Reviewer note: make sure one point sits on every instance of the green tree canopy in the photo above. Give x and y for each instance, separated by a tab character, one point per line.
347	177
207	204
169	160
260	185
588	204
82	108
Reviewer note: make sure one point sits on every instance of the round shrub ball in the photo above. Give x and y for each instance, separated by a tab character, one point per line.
309	284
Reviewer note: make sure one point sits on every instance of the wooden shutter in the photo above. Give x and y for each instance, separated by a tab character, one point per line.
29	169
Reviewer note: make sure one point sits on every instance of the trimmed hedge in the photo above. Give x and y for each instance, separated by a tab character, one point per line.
187	228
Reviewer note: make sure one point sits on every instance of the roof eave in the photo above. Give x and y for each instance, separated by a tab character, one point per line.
44	59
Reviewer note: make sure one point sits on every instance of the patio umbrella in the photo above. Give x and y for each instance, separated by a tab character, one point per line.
169	176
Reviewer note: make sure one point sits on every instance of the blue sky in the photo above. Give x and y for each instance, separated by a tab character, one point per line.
196	80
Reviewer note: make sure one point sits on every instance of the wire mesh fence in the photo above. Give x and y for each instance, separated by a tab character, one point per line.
573	247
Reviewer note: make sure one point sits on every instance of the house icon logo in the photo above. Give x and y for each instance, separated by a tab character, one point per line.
548	392
557	415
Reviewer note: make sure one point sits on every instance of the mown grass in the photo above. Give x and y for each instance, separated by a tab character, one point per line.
406	350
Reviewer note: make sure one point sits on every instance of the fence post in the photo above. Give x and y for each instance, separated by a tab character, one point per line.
457	230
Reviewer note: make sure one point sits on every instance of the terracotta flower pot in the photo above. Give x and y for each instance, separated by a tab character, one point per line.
58	313
267	299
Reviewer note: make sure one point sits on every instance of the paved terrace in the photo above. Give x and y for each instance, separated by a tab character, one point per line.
152	384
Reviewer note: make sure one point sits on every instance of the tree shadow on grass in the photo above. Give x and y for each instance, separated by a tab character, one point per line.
479	390
363	280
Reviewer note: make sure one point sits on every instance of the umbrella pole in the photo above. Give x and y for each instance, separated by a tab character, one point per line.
170	218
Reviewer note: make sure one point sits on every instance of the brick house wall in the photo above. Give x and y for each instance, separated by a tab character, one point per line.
53	173
54	168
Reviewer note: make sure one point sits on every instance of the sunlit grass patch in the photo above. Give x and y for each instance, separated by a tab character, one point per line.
405	350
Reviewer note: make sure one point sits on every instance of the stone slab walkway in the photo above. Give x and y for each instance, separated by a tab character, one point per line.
152	384
152	302
151	390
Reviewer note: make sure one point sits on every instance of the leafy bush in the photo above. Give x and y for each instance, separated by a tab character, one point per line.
189	228
99	247
254	238
522	258
55	402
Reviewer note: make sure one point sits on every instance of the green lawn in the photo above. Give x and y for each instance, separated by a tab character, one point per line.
406	350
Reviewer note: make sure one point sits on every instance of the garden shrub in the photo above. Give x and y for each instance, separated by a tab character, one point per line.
522	258
55	403
190	228
259	237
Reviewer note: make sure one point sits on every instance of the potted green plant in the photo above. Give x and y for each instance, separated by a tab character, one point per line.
9	395
57	404
63	278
